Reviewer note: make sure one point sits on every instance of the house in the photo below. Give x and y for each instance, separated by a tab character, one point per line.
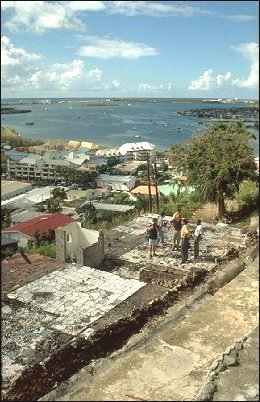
76	244
25	231
108	153
137	150
73	144
120	183
89	145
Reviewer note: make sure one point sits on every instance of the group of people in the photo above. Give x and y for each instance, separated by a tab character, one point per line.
180	238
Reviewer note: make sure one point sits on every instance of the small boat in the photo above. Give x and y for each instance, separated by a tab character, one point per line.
179	128
29	123
137	136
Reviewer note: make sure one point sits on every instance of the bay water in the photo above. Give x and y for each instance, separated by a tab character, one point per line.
113	123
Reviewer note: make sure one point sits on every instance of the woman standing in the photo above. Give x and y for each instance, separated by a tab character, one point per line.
185	236
153	233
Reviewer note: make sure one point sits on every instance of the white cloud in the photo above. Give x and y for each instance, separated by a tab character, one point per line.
39	16
240	17
251	52
85	5
107	48
154	9
155	88
17	64
21	72
204	82
221	79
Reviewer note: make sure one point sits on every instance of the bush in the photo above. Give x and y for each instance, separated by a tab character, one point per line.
8	252
248	196
45	249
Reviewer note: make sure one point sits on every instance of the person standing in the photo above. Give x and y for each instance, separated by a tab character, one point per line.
176	232
177	214
153	233
197	238
185	237
161	226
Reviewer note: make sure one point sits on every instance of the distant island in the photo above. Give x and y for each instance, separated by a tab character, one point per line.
12	110
247	113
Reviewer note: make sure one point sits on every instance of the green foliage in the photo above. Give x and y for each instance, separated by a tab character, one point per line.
8	252
219	160
118	198
54	205
6	216
45	249
141	203
12	139
164	166
58	192
87	214
248	195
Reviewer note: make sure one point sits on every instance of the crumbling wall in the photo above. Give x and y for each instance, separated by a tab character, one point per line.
92	256
74	243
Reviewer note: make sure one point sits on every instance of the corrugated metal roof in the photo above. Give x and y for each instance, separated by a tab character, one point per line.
107	177
42	223
5	240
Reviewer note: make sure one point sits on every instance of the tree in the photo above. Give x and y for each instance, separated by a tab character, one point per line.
87	213
219	160
59	193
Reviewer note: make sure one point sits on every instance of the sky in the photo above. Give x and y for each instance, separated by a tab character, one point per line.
145	49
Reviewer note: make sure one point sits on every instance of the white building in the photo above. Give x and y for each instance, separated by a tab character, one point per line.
137	150
120	183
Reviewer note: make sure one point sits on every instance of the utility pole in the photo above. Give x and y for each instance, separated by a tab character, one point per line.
149	184
156	187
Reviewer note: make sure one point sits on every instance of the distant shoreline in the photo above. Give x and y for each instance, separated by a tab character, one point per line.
12	110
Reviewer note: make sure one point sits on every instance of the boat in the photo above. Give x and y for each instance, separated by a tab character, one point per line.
137	136
29	123
179	128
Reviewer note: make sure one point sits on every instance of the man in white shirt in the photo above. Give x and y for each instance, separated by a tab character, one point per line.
197	238
160	224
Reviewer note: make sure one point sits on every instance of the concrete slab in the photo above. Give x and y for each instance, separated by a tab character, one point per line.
68	300
172	361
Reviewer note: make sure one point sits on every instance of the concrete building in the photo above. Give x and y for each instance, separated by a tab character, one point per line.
33	167
120	183
76	244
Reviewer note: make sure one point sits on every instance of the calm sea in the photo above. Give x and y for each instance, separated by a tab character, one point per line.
131	120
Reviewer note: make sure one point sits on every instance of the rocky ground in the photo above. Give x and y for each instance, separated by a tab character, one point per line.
172	292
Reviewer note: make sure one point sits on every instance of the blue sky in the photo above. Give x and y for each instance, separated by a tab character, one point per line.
106	49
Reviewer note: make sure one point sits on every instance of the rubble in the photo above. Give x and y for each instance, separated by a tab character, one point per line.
79	313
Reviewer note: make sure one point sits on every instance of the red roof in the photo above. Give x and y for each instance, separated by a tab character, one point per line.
144	190
42	223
